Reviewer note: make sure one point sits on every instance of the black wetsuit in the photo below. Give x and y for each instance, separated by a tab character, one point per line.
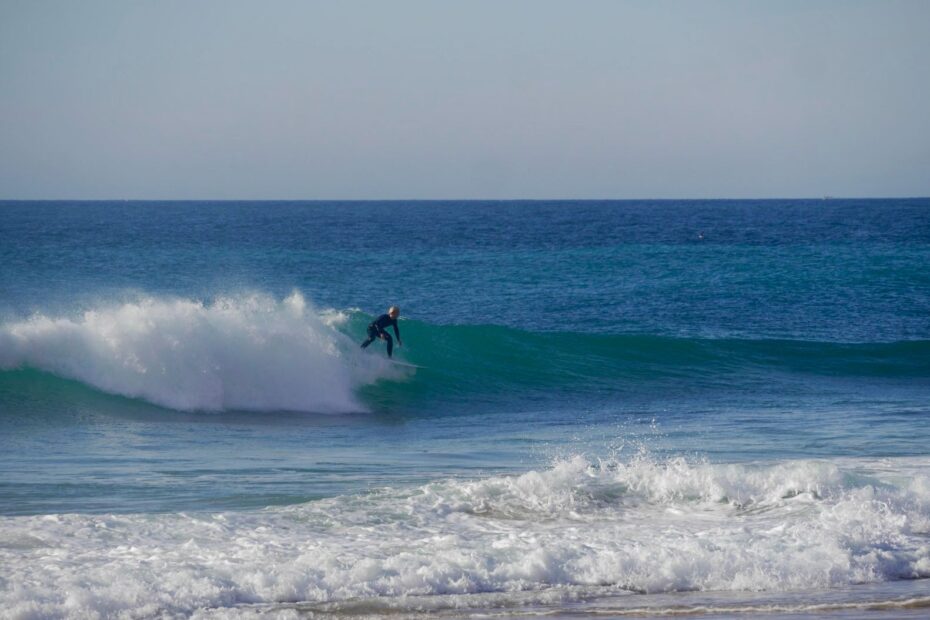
377	330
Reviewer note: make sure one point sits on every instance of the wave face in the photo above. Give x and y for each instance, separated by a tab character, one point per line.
600	527
488	362
248	352
530	355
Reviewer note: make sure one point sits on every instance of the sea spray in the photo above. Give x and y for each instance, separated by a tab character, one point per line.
249	352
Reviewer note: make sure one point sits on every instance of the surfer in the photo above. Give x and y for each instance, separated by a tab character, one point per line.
377	329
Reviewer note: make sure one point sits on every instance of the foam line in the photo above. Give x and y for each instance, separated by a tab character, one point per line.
639	526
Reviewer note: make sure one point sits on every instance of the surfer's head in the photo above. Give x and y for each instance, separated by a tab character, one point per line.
393	312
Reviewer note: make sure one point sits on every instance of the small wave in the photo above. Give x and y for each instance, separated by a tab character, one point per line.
249	352
645	526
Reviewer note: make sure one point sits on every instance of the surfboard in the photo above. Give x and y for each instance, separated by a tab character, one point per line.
399	363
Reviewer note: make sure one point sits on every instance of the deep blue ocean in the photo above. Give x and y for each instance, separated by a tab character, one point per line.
619	408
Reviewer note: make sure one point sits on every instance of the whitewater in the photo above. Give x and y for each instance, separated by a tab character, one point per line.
575	530
641	408
250	352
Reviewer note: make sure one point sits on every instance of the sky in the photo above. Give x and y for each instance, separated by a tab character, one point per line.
227	99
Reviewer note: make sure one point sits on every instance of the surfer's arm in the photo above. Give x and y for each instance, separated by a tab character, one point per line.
397	333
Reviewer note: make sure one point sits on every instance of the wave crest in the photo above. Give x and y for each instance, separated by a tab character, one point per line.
251	352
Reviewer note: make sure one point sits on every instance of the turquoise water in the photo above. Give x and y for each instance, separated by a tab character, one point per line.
649	399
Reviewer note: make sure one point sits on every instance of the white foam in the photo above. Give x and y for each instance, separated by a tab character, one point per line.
248	352
646	526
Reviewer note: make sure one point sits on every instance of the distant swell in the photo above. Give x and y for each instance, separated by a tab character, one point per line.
249	352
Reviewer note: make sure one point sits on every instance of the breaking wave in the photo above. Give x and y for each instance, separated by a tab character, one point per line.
250	352
253	352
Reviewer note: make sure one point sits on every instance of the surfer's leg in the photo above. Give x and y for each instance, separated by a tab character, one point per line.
372	334
390	342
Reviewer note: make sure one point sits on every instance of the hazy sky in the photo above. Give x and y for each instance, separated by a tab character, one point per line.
315	100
